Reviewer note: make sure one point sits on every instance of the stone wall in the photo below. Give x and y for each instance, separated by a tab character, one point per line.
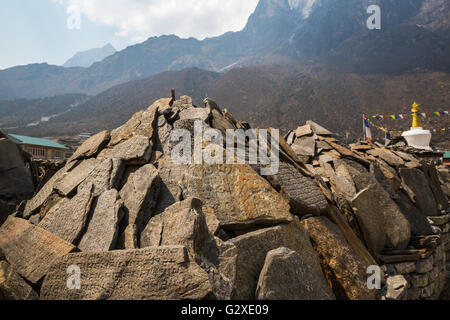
426	277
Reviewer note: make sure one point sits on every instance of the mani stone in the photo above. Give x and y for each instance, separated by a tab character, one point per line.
106	175
157	273
239	197
135	151
195	113
163	131
317	129
303	131
387	156
370	220
139	195
92	146
420	226
303	194
29	249
69	181
181	224
305	146
12	286
285	277
69	218
416	181
170	191
142	123
396	227
345	271
435	185
32	206
252	249
102	230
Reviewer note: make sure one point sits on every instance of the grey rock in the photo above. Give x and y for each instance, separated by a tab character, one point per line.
433	181
371	221
387	156
396	288
128	239
107	175
29	249
102	229
135	151
15	178
10	157
139	195
239	197
345	271
424	265
163	131
181	224
157	273
419	280
395	225
69	181
405	267
317	129
303	131
142	123
252	249
68	220
92	146
12	286
195	113
32	206
221	123
170	191
303	194
305	146
285	277
418	184
418	222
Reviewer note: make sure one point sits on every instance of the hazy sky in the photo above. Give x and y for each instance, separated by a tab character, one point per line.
34	31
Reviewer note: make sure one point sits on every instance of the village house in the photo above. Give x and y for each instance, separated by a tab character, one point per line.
41	149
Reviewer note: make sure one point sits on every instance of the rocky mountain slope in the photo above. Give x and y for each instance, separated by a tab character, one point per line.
164	230
86	58
272	96
327	32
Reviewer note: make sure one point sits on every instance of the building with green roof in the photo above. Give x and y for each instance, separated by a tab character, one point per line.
41	149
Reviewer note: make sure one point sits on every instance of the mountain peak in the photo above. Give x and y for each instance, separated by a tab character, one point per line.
271	8
87	58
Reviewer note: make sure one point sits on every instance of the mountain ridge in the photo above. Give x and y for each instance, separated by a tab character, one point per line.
277	28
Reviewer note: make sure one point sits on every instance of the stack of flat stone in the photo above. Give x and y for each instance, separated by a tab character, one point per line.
393	199
138	225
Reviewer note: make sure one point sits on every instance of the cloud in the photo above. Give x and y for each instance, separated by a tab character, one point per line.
138	20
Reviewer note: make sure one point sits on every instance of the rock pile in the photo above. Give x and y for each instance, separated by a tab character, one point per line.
136	225
395	202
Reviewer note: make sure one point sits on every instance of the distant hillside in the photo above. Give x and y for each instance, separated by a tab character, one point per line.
23	112
277	96
87	58
331	33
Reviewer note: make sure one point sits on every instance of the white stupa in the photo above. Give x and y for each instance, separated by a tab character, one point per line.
417	137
